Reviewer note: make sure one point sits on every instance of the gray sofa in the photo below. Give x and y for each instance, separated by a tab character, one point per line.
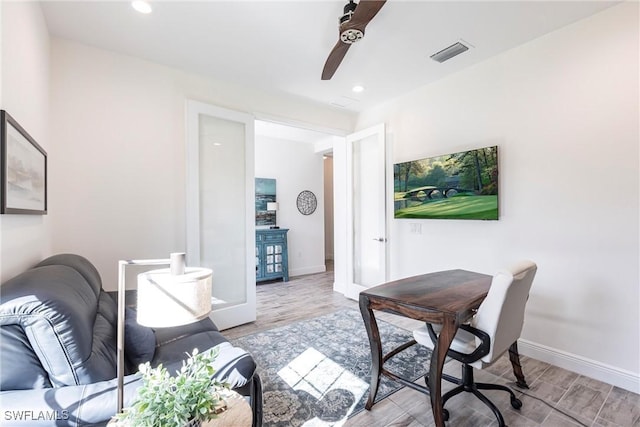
58	349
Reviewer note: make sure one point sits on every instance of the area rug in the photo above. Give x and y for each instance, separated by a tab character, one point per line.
316	372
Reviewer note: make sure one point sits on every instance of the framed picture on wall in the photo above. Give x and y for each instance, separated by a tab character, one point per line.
461	185
265	193
23	175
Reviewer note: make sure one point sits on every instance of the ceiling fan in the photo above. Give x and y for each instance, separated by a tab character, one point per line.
352	24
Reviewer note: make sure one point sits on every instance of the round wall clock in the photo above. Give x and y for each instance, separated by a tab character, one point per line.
306	202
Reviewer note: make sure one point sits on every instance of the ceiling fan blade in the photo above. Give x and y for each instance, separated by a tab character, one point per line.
335	58
365	12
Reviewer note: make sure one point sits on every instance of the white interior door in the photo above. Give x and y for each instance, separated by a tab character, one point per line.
220	208
367	253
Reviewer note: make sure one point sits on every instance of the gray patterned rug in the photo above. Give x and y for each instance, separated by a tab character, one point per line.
316	372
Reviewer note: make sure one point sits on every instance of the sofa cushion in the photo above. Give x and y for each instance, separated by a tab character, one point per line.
139	341
73	336
167	335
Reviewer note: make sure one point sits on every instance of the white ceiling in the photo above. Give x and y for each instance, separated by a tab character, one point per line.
281	46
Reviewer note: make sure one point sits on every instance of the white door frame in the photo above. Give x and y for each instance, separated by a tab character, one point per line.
353	289
242	313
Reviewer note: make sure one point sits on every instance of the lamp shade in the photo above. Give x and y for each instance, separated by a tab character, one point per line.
272	206
166	299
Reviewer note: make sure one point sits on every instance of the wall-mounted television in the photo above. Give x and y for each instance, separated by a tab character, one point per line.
460	185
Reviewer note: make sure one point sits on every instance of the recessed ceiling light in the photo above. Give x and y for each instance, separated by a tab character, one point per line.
357	88
141	6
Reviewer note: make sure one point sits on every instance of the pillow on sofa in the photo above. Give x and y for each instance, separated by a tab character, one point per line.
139	341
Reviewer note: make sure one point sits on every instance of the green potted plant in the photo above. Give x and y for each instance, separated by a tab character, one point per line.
186	399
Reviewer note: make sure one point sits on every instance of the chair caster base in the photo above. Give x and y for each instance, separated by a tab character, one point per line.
516	403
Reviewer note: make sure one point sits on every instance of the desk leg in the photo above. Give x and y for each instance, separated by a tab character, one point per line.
376	348
438	357
514	357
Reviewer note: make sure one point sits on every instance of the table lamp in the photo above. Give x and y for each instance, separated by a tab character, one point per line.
172	296
273	207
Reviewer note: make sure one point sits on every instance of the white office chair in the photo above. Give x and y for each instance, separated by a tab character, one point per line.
496	325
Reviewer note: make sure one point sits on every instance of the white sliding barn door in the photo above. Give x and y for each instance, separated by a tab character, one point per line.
220	207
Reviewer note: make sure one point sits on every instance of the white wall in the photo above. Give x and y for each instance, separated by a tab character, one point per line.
296	167
118	126
563	110
25	239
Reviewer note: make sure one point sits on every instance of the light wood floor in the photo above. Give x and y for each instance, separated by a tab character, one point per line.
554	393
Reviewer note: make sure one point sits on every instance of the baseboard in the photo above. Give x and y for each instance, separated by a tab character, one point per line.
308	270
583	366
353	292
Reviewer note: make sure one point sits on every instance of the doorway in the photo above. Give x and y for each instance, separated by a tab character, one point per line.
357	163
295	158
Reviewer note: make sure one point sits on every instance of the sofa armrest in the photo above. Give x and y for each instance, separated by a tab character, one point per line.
80	405
167	335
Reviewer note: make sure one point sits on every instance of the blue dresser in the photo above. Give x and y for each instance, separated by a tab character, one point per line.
272	259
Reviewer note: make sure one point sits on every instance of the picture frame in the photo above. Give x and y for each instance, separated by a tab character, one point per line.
265	193
461	185
23	170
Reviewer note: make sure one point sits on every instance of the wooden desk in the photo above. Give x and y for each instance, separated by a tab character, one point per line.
449	298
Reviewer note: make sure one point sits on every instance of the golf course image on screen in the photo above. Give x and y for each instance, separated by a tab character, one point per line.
461	185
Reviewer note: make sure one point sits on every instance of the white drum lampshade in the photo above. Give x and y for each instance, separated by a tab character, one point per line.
166	299
172	296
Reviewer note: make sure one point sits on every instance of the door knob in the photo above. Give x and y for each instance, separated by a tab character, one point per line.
380	239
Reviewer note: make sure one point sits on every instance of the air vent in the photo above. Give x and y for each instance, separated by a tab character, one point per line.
343	101
449	52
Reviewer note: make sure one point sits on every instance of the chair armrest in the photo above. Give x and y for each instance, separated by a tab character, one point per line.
479	352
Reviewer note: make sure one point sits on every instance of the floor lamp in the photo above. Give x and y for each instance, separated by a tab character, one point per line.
171	296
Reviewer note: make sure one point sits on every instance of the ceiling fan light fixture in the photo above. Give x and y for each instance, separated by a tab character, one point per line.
351	36
449	52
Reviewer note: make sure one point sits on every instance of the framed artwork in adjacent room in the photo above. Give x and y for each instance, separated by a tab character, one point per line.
23	174
306	202
265	193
